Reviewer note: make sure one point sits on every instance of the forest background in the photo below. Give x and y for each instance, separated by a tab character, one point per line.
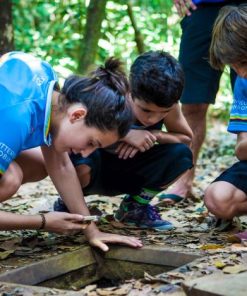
75	35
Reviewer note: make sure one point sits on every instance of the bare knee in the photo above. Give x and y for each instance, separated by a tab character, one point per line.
32	164
84	174
10	182
220	200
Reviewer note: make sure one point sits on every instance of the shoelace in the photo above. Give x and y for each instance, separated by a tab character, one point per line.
153	212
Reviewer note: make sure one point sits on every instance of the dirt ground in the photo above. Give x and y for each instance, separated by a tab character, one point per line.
195	228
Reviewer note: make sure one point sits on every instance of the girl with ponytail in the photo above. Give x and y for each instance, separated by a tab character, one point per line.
89	113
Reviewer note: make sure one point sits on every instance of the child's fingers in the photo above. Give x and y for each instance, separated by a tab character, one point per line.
78	226
120	146
151	142
133	152
123	151
73	217
128	152
153	138
99	244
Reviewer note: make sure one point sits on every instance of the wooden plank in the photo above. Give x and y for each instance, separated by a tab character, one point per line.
152	255
49	268
217	285
13	289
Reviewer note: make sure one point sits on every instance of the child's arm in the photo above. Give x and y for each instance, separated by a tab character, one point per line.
178	130
64	177
63	223
241	148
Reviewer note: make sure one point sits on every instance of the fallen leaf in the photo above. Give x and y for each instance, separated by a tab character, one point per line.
235	269
219	264
211	247
5	254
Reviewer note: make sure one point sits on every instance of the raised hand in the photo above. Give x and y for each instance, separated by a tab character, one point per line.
184	6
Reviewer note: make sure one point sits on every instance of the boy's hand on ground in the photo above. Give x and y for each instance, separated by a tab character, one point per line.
143	140
183	7
125	151
99	239
64	223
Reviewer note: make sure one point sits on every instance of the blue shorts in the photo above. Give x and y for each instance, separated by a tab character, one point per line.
236	175
152	169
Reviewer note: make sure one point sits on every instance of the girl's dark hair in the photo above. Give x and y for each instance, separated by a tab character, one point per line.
229	38
157	77
105	94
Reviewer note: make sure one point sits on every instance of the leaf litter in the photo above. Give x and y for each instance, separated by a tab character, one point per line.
195	230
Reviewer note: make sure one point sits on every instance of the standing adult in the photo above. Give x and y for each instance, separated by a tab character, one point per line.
201	80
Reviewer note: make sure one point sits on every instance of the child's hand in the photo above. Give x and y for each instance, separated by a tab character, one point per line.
125	151
98	239
64	223
140	139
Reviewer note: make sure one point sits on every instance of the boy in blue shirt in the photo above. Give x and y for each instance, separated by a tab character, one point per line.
148	158
88	113
226	197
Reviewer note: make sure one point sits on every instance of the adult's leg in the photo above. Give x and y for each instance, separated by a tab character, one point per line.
201	81
195	114
225	200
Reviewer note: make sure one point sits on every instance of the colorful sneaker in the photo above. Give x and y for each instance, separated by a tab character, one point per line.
59	206
143	216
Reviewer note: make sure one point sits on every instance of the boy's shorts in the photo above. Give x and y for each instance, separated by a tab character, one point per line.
152	169
236	175
201	80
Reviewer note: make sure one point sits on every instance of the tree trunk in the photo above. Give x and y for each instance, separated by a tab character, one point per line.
138	36
95	16
6	28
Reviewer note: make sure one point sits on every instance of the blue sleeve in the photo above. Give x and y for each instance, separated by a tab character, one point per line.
10	139
238	115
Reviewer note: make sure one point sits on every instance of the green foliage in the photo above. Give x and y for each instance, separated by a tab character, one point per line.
50	29
152	18
54	30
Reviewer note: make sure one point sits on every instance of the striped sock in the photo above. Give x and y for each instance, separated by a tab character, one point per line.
145	196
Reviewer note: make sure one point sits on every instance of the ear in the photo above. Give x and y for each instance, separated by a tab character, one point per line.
77	113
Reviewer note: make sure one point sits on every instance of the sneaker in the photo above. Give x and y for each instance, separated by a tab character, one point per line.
59	206
143	216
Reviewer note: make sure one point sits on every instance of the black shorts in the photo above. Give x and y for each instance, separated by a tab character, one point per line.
152	169
201	80
236	175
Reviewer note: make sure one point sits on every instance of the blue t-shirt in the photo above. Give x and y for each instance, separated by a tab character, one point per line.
208	1
238	115
26	86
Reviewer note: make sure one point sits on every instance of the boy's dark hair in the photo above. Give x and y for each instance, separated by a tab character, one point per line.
105	94
157	77
229	39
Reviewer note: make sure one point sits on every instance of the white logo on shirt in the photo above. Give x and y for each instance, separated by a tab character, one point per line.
38	79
